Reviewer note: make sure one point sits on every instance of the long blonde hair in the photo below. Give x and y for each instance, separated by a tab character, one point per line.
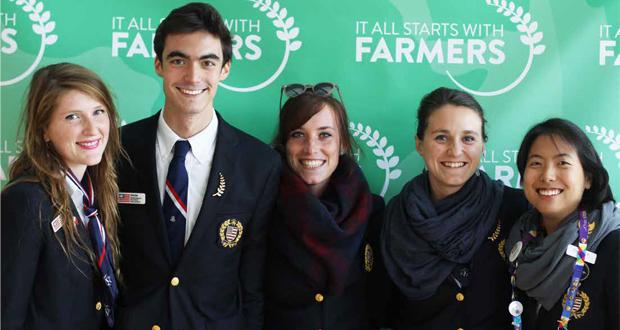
39	162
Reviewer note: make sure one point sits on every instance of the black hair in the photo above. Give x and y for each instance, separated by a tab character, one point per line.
599	191
192	17
443	96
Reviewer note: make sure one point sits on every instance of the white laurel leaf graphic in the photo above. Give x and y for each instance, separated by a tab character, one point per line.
285	31
386	161
607	136
530	38
41	26
277	14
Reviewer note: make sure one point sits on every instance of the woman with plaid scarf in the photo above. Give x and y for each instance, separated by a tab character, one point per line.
326	221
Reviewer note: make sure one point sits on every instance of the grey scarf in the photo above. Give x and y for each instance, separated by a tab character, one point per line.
544	269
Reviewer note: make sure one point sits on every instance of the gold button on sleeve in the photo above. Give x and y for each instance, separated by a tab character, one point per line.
460	297
319	297
175	281
98	306
155	327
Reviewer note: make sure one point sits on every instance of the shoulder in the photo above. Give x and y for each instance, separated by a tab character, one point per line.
25	200
138	129
514	196
253	149
610	244
378	205
513	205
20	191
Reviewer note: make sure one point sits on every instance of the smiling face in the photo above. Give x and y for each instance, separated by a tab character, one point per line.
78	130
451	148
313	150
554	180
191	67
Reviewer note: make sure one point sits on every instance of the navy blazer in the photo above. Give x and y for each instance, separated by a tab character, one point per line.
292	296
483	304
216	284
41	287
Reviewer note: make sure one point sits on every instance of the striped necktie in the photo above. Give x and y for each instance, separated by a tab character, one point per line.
175	200
98	240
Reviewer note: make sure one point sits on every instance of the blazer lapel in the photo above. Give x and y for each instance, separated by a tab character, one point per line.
145	160
222	170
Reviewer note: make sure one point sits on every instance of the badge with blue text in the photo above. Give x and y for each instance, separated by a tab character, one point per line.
230	232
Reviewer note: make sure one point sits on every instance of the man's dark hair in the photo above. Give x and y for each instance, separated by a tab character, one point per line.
192	17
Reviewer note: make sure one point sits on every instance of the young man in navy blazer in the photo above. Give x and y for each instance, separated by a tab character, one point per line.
214	280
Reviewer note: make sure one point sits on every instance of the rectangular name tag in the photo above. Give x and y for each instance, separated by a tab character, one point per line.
572	251
131	198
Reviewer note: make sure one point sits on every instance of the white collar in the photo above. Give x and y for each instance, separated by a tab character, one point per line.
201	143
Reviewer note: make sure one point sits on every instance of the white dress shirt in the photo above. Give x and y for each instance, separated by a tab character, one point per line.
77	197
198	163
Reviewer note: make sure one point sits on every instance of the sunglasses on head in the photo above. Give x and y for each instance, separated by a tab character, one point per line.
324	89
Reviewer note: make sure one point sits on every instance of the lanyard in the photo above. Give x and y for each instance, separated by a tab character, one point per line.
516	308
575	281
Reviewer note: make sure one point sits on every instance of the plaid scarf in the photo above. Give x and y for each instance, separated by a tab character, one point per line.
321	236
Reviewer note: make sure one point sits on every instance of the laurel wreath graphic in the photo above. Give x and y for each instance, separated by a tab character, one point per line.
278	15
530	37
286	32
607	136
43	26
386	161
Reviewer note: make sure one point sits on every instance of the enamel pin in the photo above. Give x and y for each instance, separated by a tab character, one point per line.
57	223
368	258
221	187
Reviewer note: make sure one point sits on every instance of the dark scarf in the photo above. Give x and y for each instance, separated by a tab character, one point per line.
321	236
423	241
544	269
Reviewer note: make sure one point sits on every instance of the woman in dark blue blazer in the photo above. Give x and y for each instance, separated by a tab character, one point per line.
59	215
326	221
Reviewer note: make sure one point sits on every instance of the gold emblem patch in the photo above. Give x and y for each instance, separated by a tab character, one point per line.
368	258
581	305
500	248
496	232
230	232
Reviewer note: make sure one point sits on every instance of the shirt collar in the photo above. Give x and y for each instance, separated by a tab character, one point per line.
71	187
202	143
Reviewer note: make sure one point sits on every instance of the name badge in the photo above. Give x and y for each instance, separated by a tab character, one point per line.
57	223
573	251
131	198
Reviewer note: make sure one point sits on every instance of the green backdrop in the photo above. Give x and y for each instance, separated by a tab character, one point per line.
524	60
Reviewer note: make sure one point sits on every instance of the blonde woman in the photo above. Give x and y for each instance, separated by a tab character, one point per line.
59	214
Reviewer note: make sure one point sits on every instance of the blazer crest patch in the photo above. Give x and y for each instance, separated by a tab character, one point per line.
581	305
500	248
230	232
496	232
368	258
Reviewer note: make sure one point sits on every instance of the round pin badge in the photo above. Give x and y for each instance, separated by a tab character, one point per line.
515	308
516	250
